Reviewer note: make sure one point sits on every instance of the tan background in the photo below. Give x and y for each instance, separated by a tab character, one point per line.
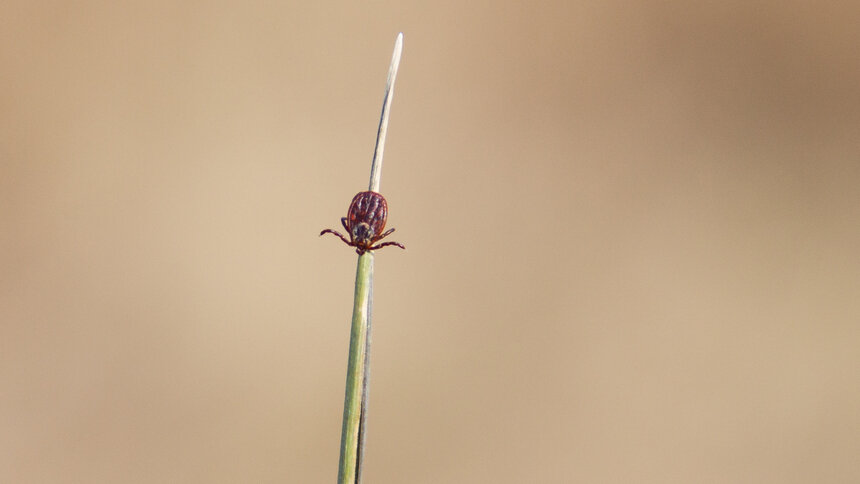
632	236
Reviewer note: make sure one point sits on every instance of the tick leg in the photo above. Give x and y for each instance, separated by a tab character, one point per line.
343	222
330	231
385	244
385	234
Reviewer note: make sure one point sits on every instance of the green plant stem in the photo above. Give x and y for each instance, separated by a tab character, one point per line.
356	376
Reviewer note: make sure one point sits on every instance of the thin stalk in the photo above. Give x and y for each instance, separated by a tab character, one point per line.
358	370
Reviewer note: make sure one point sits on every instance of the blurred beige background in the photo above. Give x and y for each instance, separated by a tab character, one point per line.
632	235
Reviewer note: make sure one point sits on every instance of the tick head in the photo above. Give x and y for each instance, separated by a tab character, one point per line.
362	234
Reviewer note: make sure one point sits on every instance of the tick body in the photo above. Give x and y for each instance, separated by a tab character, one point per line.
365	222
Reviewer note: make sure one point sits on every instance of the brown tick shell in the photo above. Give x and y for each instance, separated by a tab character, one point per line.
370	208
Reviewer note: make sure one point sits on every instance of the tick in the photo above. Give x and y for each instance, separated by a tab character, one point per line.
365	222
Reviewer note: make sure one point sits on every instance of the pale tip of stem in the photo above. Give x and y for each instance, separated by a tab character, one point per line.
376	165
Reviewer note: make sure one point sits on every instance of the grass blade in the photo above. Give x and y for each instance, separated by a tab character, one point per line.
358	369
